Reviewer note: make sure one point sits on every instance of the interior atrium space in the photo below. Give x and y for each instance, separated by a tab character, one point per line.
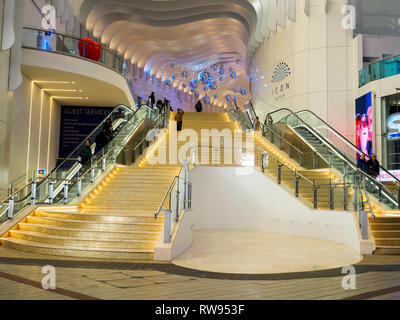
175	154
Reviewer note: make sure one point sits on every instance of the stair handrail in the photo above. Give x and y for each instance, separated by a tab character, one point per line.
340	155
270	129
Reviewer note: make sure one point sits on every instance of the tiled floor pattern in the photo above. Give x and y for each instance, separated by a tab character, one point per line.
149	281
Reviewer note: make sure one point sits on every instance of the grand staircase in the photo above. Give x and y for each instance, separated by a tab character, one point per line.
116	220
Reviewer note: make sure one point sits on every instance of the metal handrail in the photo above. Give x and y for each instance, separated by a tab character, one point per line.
166	195
346	141
294	171
331	129
336	152
278	135
49	176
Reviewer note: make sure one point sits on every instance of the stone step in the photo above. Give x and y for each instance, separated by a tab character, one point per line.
100	253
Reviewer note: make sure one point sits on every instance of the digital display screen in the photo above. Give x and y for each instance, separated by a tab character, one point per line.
364	124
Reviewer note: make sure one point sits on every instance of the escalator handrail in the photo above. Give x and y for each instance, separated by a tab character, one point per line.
43	179
346	141
339	153
93	131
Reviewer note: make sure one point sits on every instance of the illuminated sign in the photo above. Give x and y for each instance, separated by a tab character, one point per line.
393	125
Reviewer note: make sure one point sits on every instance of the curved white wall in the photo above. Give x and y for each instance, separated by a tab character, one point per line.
319	54
224	200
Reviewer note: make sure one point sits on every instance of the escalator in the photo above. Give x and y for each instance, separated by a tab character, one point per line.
336	151
71	178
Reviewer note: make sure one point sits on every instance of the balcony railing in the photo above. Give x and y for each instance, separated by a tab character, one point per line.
69	45
379	70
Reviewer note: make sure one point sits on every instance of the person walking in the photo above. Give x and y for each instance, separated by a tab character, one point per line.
179	119
152	100
256	124
199	107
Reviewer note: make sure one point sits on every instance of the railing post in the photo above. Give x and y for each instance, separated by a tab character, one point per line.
296	184
315	196
114	155
346	197
271	136
92	175
11	208
79	187
103	162
301	159
364	225
330	160
331	195
398	198
133	155
176	213
167	226
263	164
380	194
33	193
315	161
279	174
290	152
344	171
281	144
66	192
51	191
124	156
355	204
141	149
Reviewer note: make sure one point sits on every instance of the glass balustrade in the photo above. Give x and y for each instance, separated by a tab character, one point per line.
66	44
379	70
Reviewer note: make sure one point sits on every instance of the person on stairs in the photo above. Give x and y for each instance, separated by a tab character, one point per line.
199	107
179	119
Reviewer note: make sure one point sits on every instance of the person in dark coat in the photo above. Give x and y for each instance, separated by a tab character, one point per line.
199	107
86	153
179	119
108	130
152	100
373	166
362	163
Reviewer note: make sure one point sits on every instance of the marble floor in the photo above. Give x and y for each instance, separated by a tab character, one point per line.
377	277
258	252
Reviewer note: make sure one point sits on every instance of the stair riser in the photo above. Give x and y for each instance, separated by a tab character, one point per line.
96	226
84	243
97	218
80	253
100	235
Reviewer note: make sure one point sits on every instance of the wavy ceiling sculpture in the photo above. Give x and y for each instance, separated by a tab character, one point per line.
154	33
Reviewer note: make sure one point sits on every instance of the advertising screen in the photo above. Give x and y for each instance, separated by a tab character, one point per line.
364	124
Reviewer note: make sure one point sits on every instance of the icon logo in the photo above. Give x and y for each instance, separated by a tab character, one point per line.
281	72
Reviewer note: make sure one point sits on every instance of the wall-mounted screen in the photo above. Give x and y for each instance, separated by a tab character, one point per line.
364	124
